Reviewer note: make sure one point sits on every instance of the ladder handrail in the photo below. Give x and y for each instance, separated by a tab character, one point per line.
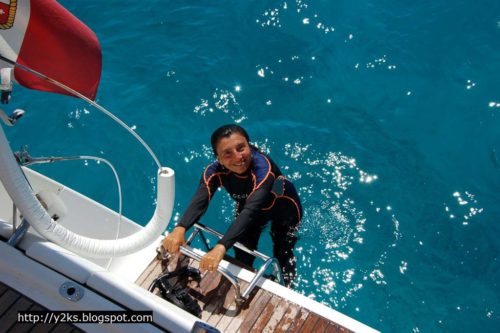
238	245
199	228
240	297
187	251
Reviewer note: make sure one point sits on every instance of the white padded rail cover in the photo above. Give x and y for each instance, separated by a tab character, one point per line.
21	193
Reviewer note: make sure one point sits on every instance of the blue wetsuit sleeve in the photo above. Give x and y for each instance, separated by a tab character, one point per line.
199	203
257	200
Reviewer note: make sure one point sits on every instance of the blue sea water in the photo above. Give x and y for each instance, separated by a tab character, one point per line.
385	114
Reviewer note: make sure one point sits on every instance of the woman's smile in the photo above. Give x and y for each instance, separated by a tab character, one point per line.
234	153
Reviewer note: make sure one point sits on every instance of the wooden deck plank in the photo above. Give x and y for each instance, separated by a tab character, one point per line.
321	325
235	322
309	323
9	318
193	263
335	328
256	309
263	312
11	302
266	314
232	310
3	288
230	304
278	314
332	328
37	307
27	327
298	321
42	328
20	328
62	328
151	273
209	281
148	271
54	328
288	318
208	290
7	299
217	302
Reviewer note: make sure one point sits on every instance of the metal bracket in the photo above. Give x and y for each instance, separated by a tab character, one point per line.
19	233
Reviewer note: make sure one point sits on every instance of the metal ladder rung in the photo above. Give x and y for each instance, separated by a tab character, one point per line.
200	227
240	297
187	251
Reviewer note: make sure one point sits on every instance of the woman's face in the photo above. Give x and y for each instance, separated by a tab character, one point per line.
234	153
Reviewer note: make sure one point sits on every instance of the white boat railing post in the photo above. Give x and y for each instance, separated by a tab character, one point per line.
21	193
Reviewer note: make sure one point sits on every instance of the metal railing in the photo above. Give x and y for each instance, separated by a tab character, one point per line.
199	229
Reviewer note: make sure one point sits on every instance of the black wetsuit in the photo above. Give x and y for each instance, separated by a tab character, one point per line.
262	194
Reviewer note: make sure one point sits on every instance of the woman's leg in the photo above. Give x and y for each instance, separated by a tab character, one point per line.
284	234
250	240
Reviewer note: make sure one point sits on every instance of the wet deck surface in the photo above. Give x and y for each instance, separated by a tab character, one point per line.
262	312
11	302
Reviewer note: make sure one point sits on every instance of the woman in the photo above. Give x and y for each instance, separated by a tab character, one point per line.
262	194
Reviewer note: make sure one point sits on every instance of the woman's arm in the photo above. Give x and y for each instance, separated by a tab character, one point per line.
197	207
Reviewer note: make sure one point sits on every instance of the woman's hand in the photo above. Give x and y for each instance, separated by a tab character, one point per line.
211	260
174	240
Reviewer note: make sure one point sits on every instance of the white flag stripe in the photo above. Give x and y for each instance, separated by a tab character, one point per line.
12	39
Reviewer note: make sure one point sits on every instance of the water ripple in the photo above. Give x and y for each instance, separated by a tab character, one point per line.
223	101
337	223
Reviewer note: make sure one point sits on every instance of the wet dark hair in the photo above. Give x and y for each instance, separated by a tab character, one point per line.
225	132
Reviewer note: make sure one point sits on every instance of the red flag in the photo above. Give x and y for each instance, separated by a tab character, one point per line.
44	36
